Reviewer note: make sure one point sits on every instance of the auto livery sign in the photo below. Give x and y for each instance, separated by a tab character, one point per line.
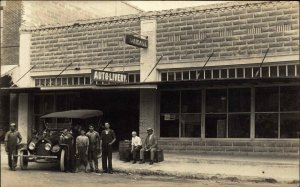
136	41
109	77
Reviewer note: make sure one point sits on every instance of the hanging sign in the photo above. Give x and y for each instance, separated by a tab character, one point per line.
109	77
136	41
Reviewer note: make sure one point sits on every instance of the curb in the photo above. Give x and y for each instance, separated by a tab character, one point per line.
202	176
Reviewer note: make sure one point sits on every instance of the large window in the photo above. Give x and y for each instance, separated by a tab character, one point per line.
169	118
289	111
228	113
277	112
239	108
180	113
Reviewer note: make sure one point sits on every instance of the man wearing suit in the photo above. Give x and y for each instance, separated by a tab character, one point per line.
150	144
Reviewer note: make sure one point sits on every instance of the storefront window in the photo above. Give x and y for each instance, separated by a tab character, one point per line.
190	125
191	101
215	126
169	125
290	98
216	100
266	125
207	74
186	116
266	99
289	125
169	102
239	100
192	75
171	76
164	77
239	126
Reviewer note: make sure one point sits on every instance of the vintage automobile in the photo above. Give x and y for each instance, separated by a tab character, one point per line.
46	147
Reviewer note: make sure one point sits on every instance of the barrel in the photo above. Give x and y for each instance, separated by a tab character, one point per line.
124	150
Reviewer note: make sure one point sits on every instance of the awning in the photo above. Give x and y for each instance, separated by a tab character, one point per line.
6	69
20	90
225	82
104	87
75	114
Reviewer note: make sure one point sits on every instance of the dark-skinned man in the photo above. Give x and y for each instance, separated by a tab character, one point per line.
12	139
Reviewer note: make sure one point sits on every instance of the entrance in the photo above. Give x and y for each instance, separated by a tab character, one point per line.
120	108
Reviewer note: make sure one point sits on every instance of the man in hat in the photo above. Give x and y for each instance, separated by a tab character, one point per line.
136	145
108	137
94	145
12	139
150	144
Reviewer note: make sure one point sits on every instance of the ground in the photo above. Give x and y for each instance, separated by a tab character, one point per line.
47	175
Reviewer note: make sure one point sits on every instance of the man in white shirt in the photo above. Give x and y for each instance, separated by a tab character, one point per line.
136	145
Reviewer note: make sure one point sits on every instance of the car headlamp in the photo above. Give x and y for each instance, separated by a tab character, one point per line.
48	147
55	148
31	146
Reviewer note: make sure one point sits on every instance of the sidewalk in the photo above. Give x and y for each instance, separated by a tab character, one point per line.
224	167
212	167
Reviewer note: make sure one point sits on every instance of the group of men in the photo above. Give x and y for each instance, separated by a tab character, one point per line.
85	148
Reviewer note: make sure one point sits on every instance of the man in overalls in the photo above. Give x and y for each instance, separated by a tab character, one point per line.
12	139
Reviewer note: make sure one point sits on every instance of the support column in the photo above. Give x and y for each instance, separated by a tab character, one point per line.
148	98
148	114
23	116
148	56
252	115
24	65
13	108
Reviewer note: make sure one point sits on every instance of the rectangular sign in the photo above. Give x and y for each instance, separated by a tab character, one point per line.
136	41
109	77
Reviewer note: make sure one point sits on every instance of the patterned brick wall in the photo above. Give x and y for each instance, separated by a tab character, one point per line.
59	12
12	14
240	31
259	147
89	44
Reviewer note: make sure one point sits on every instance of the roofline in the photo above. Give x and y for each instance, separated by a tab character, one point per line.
156	14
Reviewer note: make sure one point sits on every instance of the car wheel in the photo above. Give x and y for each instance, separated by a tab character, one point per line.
62	160
23	160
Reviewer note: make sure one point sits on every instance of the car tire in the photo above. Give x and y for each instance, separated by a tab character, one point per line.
62	160
23	160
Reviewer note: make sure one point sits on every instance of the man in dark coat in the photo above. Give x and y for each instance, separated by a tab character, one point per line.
108	137
12	139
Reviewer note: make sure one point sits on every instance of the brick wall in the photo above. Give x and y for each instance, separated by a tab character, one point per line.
59	12
246	147
12	14
90	44
240	31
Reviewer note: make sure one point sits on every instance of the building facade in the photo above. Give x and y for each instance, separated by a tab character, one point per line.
214	79
15	14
